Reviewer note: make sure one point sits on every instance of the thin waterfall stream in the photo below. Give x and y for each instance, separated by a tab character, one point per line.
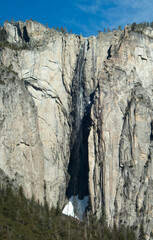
78	169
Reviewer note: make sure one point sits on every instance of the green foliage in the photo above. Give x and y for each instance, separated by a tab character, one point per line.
14	47
139	27
62	30
119	28
136	27
23	219
2	82
4	43
75	205
3	35
142	234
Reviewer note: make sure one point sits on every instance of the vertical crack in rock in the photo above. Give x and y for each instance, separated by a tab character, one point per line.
151	134
78	168
109	52
25	34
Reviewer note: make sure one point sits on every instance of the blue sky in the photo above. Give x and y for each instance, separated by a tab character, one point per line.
85	17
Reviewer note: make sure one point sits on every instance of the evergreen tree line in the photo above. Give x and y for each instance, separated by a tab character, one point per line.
134	26
62	30
23	219
142	25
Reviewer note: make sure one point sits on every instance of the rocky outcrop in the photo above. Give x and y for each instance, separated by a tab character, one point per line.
77	119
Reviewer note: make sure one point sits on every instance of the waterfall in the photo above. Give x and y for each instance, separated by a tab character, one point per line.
79	80
78	169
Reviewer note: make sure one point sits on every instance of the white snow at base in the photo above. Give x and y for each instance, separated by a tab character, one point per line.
69	210
76	207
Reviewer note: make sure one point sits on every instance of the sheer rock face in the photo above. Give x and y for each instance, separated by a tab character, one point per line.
122	117
70	91
20	146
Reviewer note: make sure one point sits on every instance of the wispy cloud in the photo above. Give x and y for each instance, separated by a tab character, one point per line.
129	11
93	7
112	13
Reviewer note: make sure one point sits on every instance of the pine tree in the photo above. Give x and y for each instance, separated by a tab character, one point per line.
151	24
62	30
142	233
119	28
75	205
134	26
65	30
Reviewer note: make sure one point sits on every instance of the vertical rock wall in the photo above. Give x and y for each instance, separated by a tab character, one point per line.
122	135
20	146
86	125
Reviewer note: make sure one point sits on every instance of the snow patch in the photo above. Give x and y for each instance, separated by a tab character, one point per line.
69	210
76	207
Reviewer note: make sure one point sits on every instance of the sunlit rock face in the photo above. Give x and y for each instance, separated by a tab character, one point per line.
21	150
77	119
122	117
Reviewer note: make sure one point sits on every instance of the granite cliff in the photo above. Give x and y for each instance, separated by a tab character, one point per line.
76	119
